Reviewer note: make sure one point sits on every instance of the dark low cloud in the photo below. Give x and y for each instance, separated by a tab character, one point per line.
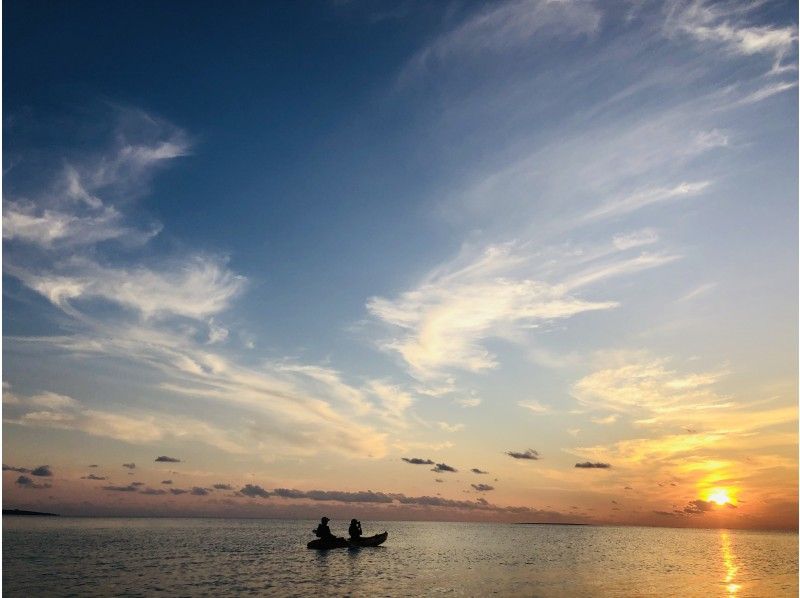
93	465
698	507
417	461
153	491
198	491
17	469
253	491
529	454
129	465
439	480
222	487
166	481
177	491
137	483
478	471
165	459
43	471
367	496
591	465
26	482
128	488
444	467
628	488
482	487
91	476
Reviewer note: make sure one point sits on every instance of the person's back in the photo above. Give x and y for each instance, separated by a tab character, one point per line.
355	529
323	531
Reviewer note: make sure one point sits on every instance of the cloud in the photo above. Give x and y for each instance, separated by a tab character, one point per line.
534	406
26	482
196	288
222	487
166	481
153	491
443	321
94	466
137	483
529	454
697	507
25	469
334	495
253	491
478	471
450	427
128	488
165	459
444	467
42	471
590	465
646	197
417	461
482	487
646	236
129	465
178	491
468	402
501	29
92	476
609	419
70	414
198	491
726	26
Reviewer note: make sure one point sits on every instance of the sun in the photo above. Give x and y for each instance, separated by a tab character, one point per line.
719	496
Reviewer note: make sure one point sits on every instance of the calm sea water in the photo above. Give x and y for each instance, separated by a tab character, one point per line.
196	557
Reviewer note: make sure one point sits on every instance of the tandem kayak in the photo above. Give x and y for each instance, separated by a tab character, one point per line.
322	544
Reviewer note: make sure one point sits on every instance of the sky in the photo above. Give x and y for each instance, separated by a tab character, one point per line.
508	261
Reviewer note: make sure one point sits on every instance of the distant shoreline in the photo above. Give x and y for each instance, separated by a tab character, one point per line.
19	512
550	523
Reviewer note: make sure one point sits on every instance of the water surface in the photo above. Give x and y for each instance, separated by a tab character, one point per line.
204	557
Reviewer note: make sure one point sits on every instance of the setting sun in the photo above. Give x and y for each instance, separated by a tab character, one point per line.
719	496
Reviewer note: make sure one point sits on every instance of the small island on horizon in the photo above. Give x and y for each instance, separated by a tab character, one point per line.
20	512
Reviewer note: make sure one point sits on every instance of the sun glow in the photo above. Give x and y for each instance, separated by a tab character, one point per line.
719	496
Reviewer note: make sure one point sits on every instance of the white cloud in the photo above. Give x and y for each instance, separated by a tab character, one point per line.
726	25
52	410
765	92
646	236
198	288
504	28
646	197
446	317
534	406
609	419
450	427
699	291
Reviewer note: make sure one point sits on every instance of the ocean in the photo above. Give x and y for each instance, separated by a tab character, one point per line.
232	557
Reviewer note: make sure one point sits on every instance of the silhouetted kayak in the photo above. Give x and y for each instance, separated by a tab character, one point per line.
323	544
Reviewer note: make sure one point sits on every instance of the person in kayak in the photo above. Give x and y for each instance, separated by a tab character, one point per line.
323	531
355	529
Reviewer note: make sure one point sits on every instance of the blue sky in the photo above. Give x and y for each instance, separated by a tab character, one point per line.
296	243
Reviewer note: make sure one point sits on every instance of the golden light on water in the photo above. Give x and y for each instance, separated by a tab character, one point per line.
730	565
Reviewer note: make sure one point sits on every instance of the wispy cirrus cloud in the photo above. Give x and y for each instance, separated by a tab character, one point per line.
502	29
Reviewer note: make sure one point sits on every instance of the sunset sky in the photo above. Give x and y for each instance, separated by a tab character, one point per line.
512	261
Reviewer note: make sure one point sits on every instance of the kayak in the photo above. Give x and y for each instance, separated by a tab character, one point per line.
375	540
327	544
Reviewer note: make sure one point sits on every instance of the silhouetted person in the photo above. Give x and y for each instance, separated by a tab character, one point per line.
323	531
355	529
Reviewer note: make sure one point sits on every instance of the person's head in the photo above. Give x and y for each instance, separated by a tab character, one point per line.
325	520
353	521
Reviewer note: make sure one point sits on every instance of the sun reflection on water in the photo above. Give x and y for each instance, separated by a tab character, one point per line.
731	568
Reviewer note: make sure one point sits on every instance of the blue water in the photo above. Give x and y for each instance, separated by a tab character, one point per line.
205	557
